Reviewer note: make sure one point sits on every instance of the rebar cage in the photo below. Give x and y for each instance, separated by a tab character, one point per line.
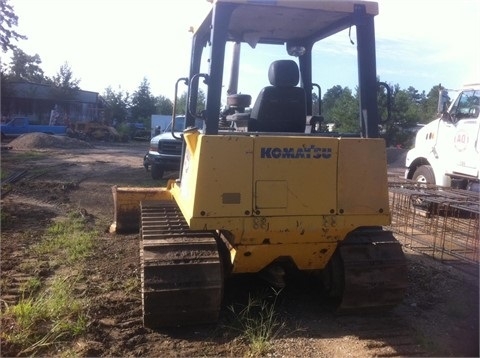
437	221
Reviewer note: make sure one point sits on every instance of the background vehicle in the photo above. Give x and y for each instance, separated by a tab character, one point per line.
447	150
21	125
138	131
165	150
93	131
269	199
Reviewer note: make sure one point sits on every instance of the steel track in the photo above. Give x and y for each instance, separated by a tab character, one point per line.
374	270
181	270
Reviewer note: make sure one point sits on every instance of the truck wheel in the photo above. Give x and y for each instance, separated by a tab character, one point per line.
157	172
424	174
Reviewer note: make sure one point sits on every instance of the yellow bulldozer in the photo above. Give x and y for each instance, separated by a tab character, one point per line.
260	190
93	131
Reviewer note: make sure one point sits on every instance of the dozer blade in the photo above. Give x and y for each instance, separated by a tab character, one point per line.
182	277
375	270
126	202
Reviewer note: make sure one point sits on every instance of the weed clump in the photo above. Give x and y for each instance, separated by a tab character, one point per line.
258	322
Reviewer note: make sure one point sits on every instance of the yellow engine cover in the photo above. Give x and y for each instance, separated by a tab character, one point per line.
282	196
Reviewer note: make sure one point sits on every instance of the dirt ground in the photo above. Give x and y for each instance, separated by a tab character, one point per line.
45	178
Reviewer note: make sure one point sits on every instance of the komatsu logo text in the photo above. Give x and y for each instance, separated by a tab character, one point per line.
305	152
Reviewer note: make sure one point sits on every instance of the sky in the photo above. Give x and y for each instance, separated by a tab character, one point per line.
118	43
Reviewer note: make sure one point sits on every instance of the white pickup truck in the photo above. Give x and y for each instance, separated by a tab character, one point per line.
447	150
165	150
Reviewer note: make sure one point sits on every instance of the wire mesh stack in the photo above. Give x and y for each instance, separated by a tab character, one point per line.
438	221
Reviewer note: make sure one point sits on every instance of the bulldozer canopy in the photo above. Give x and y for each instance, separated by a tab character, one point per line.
265	21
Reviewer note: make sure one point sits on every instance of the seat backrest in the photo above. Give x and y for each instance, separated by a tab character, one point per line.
280	107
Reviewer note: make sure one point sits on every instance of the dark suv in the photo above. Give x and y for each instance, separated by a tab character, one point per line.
165	151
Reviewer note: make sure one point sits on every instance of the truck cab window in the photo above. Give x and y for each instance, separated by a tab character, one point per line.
466	106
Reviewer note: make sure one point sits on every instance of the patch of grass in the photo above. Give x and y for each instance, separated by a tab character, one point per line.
68	239
132	284
50	312
3	174
31	286
28	266
53	316
30	155
258	322
5	218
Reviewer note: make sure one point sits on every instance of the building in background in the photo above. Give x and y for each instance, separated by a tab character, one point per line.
46	104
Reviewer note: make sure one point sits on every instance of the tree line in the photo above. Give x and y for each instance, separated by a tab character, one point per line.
409	107
119	106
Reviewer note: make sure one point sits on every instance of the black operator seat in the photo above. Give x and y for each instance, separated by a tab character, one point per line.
280	107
